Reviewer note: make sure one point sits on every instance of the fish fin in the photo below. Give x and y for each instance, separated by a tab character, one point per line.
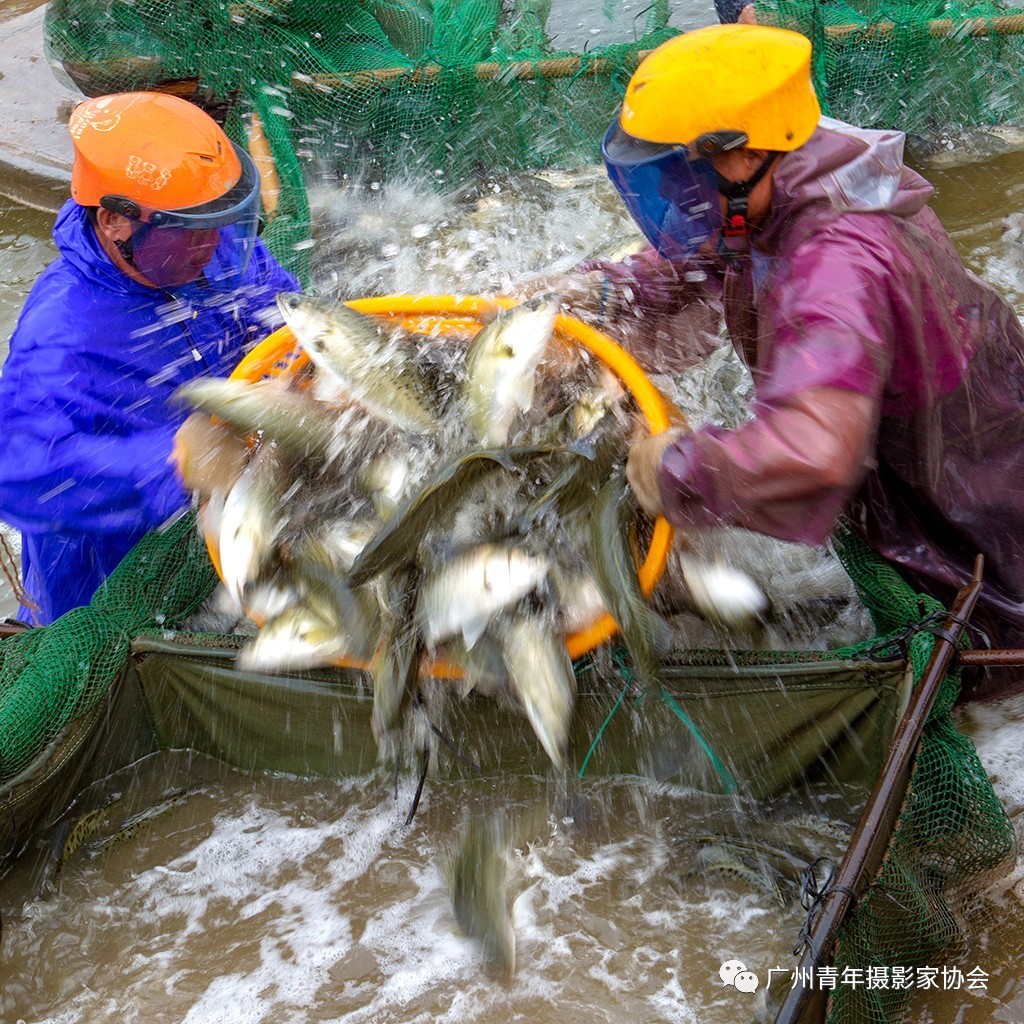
472	630
524	395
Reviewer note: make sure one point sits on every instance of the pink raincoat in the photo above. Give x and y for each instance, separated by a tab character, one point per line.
890	380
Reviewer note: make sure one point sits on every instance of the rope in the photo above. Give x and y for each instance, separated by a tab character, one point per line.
419	786
9	567
604	725
728	782
723	773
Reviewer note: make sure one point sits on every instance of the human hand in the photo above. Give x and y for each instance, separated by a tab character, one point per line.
208	455
646	452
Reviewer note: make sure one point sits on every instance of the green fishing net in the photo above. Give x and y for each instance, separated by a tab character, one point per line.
950	831
434	90
926	68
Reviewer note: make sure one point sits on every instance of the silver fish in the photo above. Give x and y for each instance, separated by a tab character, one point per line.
723	595
386	480
580	604
251	521
482	665
300	637
437	500
298	423
394	667
476	874
542	678
350	347
466	593
319	619
501	365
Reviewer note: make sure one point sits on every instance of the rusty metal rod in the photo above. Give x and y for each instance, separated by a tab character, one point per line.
992	659
804	1004
137	68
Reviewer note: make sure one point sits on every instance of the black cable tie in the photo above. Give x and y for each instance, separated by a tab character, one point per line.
471	765
813	897
419	786
933	623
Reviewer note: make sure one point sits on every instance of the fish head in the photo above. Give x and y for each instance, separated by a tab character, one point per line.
309	320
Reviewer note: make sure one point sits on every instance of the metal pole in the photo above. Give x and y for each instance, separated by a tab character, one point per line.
807	1005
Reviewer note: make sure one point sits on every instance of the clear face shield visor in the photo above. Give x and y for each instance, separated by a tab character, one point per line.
672	194
213	241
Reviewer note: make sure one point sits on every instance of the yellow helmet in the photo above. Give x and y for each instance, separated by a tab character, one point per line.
747	79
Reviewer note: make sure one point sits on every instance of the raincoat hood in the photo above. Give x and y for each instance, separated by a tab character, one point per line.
77	242
850	170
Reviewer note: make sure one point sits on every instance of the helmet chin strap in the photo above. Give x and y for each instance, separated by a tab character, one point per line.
127	249
736	230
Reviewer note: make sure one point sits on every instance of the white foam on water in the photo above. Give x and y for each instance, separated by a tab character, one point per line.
995	727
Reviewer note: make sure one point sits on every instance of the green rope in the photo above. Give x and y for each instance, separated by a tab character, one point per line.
626	673
723	773
604	725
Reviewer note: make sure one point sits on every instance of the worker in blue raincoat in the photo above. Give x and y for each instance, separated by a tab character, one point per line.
160	279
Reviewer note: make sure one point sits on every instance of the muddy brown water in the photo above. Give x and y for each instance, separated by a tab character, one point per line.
273	899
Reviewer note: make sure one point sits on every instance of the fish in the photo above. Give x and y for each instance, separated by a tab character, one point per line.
464	594
386	480
434	503
476	872
303	635
722	594
102	827
394	667
585	466
352	350
579	599
619	249
500	368
483	666
251	521
722	859
541	676
323	619
299	424
614	569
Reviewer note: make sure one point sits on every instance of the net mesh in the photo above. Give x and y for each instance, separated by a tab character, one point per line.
950	831
54	673
926	68
441	90
374	89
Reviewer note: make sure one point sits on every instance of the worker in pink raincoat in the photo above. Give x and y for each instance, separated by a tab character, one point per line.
889	379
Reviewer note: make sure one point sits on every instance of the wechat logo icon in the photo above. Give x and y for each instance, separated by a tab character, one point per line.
735	973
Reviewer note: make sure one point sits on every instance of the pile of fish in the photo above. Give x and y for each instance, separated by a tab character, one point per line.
407	500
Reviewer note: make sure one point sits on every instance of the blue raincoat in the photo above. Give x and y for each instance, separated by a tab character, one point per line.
85	426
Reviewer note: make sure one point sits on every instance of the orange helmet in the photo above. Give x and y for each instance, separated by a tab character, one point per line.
152	150
192	195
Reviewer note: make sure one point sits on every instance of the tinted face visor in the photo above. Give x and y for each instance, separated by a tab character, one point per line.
213	241
672	196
